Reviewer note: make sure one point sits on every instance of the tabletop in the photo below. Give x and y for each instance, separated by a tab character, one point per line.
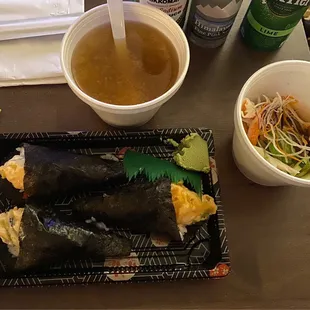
268	228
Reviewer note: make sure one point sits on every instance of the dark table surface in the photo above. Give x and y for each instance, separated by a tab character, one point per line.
268	228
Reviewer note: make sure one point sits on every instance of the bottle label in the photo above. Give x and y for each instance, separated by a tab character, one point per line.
174	8
268	23
267	31
213	20
211	29
286	7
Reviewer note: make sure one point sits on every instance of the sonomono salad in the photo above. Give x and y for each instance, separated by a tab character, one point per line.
278	133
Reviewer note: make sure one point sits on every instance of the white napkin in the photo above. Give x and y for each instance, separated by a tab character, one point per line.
33	60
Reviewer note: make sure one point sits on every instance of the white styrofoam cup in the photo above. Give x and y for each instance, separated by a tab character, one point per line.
290	77
131	115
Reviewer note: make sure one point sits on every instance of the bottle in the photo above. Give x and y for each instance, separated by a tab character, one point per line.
174	8
268	23
211	20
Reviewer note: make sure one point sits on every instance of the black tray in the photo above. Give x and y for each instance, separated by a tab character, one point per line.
203	254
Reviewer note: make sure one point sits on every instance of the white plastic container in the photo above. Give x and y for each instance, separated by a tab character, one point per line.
131	115
287	78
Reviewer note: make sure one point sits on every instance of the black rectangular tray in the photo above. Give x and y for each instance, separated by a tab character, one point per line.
203	253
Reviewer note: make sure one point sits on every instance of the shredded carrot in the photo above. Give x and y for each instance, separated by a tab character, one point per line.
288	155
304	140
253	131
245	126
288	128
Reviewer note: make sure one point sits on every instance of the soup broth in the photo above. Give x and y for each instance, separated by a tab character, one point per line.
131	72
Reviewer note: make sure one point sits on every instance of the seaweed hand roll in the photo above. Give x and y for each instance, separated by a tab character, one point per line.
37	239
149	207
41	171
142	207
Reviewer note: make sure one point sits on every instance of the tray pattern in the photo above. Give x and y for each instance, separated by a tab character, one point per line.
204	252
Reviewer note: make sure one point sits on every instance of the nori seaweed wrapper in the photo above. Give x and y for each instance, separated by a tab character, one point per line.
142	206
49	171
45	239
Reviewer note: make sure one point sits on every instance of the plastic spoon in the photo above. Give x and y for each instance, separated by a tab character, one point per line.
116	12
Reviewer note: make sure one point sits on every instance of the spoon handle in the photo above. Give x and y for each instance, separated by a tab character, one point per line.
116	13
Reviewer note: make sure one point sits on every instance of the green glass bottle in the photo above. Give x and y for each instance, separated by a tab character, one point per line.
268	23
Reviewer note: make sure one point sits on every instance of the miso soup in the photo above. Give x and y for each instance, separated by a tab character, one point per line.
141	69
